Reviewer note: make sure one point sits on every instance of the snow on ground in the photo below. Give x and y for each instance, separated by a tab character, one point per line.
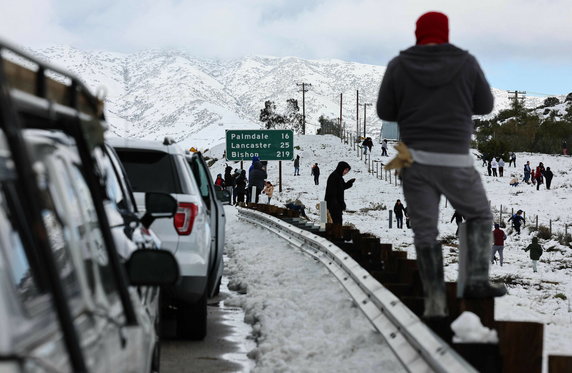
302	318
543	296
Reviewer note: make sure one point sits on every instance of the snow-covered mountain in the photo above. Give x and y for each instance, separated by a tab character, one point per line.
152	94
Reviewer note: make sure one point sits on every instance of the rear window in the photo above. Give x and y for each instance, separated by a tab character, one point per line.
149	171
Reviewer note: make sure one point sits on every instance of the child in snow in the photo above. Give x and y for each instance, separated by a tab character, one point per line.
535	252
268	190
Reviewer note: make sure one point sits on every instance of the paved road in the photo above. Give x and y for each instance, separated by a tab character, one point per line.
223	350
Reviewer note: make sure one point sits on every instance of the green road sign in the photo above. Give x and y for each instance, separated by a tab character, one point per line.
268	145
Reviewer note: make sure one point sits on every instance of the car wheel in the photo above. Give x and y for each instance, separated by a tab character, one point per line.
192	319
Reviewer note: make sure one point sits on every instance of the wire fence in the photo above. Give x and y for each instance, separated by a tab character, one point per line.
546	228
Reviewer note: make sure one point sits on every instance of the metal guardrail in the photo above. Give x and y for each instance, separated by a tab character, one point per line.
414	344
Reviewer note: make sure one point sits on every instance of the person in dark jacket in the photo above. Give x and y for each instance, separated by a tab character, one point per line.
548	175
241	183
527	172
535	252
399	210
539	175
229	180
256	179
432	90
316	173
516	221
297	166
335	188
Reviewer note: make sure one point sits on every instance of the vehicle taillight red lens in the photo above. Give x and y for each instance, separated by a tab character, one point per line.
185	217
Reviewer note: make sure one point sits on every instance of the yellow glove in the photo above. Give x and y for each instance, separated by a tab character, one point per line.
402	159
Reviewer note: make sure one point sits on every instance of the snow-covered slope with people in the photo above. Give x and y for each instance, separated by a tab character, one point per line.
543	296
155	93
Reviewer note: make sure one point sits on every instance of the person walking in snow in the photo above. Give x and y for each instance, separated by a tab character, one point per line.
384	148
527	172
548	175
539	173
512	159
432	90
268	190
501	166
335	187
316	173
458	220
564	147
297	166
494	166
535	252
367	144
516	221
489	167
498	244
399	211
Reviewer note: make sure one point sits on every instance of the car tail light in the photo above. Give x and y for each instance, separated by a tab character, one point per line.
185	217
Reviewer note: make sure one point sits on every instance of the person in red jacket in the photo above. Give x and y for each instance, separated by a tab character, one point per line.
498	243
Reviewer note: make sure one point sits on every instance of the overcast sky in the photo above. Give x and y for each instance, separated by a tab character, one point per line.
521	44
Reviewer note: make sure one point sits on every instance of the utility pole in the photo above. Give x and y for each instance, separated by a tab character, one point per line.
516	93
341	101
357	113
365	105
304	90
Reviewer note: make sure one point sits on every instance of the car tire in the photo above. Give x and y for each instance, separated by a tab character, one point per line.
192	319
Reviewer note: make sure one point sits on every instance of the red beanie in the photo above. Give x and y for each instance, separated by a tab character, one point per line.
432	27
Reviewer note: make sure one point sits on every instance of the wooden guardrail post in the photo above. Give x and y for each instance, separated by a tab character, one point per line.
520	346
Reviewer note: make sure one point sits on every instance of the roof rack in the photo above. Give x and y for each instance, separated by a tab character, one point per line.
30	99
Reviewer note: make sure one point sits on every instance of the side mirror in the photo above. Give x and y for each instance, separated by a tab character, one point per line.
158	205
146	267
223	195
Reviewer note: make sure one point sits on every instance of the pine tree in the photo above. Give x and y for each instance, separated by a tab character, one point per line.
293	116
269	117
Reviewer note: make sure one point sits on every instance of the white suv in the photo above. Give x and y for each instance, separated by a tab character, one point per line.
153	166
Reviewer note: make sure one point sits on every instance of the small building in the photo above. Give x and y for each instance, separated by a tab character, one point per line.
389	131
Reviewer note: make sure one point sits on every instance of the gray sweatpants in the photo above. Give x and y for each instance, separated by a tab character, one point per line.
423	186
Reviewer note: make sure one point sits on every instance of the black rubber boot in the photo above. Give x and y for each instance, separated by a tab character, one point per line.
477	237
430	264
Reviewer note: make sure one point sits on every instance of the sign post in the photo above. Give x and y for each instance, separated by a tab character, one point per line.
268	145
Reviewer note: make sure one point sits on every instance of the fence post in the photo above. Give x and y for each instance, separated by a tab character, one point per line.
524	218
390	218
550	226
536	222
390	177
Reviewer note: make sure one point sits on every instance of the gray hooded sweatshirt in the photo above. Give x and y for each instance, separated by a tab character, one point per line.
432	91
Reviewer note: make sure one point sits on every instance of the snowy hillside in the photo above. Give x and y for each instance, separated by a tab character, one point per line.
543	296
152	94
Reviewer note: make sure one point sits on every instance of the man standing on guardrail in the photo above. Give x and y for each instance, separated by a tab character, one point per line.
335	188
432	90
